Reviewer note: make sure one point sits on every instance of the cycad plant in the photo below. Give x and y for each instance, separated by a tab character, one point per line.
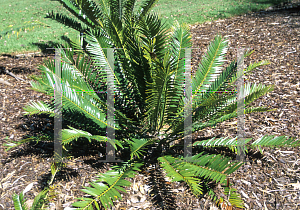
149	98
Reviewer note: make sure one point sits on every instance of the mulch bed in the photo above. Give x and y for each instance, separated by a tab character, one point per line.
268	181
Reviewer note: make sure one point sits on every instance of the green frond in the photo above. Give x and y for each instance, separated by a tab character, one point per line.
234	197
89	10
75	101
176	173
100	60
273	141
153	34
106	188
128	7
207	115
115	12
36	86
39	200
201	125
68	135
152	37
19	202
108	20
134	67
205	76
215	107
166	88
248	53
219	166
209	166
221	82
41	85
73	79
146	7
180	39
209	66
265	141
11	144
251	93
137	146
221	142
225	105
82	10
102	65
158	97
224	108
228	77
38	108
71	134
67	21
83	103
250	68
77	73
209	108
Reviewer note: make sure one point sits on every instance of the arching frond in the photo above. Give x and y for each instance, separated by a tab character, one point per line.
210	66
91	11
275	141
137	146
264	141
221	142
180	40
106	188
67	21
146	7
249	69
209	166
68	135
128	7
74	101
175	173
38	108
85	10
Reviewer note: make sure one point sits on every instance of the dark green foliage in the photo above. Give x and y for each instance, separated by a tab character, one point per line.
149	95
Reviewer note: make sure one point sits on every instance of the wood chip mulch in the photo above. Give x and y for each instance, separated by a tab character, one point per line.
268	181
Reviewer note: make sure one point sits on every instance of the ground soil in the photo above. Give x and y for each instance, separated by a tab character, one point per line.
268	181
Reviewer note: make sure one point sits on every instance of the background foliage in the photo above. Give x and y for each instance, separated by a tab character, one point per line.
15	14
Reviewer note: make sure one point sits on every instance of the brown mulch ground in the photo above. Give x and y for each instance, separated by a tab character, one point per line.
270	181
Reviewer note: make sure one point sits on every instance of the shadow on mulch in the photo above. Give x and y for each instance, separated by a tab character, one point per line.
65	174
47	47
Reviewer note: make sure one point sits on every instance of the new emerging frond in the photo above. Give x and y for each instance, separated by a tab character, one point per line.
19	201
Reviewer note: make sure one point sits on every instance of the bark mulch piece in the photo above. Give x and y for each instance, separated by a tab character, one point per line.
268	181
